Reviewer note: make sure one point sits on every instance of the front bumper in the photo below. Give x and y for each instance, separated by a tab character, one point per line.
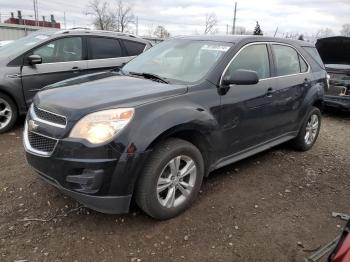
101	178
103	204
341	102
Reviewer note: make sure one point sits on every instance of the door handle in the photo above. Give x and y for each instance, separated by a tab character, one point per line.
270	91
75	69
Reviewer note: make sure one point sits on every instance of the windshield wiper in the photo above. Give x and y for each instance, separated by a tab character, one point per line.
150	76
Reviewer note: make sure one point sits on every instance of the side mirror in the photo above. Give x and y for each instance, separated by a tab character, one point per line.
241	77
34	59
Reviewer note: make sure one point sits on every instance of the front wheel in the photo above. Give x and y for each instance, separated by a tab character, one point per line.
309	131
8	113
170	180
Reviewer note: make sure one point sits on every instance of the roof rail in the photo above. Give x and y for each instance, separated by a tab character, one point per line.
79	28
97	31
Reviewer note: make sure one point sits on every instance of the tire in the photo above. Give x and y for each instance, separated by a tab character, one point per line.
301	143
8	113
157	175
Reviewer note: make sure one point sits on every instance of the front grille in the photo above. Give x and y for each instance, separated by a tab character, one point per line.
41	143
50	117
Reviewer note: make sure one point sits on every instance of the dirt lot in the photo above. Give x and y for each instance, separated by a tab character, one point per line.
255	210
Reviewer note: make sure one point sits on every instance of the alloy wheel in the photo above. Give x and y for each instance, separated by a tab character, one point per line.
5	113
176	181
311	129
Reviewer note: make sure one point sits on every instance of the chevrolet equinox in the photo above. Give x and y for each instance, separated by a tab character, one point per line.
152	130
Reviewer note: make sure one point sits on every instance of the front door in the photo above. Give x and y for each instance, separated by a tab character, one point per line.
248	110
61	59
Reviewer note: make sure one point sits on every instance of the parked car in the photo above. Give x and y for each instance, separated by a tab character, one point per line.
334	52
46	57
3	43
172	115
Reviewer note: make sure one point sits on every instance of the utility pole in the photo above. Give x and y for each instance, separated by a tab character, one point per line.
36	12
64	19
234	20
137	25
227	29
34	3
275	32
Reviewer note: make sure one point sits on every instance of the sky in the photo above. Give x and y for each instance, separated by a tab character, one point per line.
183	17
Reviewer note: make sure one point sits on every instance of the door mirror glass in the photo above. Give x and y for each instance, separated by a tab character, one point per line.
34	59
241	77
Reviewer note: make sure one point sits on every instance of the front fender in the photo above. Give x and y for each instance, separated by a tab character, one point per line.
171	118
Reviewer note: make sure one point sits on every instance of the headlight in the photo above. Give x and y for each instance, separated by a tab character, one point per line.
103	126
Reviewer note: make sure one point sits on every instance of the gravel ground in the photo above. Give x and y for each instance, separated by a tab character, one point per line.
275	206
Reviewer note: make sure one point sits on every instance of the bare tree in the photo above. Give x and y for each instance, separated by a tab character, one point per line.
325	32
240	30
210	22
345	30
124	16
100	11
149	29
161	32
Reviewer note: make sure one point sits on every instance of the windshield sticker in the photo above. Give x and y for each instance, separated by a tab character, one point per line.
30	43
220	48
41	37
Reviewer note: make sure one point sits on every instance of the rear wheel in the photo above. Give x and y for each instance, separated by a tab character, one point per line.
309	131
170	180
8	113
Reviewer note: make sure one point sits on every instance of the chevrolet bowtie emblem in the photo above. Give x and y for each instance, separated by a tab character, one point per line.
32	126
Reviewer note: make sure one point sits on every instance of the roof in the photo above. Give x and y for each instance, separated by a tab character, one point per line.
245	38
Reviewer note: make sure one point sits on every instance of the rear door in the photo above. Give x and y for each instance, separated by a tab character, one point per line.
293	80
105	53
61	59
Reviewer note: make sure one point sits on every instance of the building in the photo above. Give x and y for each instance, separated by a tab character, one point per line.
17	27
20	21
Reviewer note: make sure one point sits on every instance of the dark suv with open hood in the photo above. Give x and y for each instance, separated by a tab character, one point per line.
335	53
182	109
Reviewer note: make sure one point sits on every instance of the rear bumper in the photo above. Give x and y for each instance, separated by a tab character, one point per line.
341	102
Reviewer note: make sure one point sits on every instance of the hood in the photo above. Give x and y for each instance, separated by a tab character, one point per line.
334	50
80	96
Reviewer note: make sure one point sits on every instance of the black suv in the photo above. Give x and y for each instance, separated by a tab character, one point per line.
172	115
46	57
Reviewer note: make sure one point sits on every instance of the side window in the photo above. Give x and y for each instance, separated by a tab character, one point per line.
102	48
133	48
61	50
303	65
254	57
287	60
314	54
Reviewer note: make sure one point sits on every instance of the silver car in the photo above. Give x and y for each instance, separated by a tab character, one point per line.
46	57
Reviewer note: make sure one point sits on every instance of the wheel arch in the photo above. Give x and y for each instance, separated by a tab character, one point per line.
191	135
12	97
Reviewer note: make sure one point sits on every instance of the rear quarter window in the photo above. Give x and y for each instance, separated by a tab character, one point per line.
312	51
133	48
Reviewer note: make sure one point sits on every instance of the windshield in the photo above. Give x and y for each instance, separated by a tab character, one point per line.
179	60
22	44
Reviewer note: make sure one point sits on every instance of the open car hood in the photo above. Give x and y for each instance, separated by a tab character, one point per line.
334	50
